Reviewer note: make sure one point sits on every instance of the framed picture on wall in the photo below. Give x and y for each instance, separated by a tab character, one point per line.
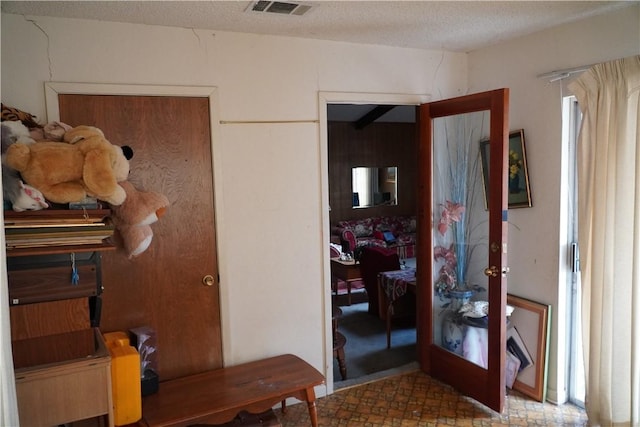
518	174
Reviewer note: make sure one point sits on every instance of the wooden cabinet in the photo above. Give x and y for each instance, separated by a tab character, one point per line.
45	264
62	365
48	277
66	378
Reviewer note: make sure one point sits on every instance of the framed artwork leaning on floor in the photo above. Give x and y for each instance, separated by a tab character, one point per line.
530	322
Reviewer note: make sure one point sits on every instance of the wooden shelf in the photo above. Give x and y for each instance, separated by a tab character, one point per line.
58	217
55	214
60	249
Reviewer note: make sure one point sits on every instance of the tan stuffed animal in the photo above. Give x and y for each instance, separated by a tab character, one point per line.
132	218
89	165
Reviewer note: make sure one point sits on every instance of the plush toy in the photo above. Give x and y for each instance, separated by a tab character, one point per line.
28	199
17	194
132	218
89	165
13	114
13	132
52	131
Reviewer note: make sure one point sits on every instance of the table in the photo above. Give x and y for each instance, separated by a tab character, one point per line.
347	271
395	284
217	396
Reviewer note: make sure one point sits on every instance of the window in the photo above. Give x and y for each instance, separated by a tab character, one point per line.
576	382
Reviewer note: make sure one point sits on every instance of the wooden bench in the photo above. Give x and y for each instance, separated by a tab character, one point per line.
217	396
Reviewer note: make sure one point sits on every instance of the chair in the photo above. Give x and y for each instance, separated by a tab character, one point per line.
374	260
339	341
348	241
334	253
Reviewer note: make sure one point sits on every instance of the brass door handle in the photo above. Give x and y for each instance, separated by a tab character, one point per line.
208	280
491	271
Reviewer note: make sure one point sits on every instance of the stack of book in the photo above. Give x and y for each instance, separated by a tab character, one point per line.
63	228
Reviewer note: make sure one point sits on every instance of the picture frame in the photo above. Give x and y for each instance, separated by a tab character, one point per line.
517	347
517	175
391	174
532	321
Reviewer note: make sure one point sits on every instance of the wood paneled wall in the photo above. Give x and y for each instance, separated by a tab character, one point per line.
377	145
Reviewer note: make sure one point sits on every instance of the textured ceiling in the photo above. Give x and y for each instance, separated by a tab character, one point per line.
459	26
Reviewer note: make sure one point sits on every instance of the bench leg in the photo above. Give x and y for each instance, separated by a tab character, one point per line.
284	406
311	404
313	413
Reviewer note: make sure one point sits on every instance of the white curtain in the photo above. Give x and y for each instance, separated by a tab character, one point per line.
8	402
609	237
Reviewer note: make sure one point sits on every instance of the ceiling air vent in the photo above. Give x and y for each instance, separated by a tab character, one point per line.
284	8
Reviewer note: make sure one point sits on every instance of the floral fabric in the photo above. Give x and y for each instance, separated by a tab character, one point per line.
395	283
368	232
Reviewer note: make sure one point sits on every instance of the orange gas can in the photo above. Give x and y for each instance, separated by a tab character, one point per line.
125	379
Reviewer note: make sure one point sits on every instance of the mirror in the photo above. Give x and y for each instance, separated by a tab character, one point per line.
374	186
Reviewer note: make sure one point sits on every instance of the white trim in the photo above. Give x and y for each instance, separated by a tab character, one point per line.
324	99
8	398
371	98
53	89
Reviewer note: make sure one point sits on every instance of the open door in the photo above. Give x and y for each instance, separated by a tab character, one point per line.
462	243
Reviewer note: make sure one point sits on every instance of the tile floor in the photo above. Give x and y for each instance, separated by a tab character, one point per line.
415	399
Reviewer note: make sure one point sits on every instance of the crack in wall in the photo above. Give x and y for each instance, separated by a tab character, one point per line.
33	21
195	33
435	73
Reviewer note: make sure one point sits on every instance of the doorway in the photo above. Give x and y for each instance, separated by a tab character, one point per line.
353	111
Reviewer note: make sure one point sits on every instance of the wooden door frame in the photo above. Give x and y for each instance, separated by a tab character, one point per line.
324	99
53	89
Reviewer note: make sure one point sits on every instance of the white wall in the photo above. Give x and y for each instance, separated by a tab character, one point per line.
537	262
271	204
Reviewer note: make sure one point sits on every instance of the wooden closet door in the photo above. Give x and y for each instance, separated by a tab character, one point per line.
163	287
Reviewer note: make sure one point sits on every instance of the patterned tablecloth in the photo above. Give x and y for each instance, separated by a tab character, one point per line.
395	283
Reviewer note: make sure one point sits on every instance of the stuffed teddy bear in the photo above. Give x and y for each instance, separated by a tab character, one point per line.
89	165
132	218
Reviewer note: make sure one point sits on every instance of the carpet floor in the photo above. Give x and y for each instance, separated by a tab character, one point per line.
366	354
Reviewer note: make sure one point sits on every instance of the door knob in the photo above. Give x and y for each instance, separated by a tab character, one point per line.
491	271
208	280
